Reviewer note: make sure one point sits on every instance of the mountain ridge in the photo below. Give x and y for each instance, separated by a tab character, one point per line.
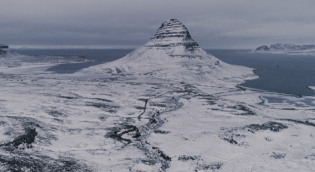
279	47
5	51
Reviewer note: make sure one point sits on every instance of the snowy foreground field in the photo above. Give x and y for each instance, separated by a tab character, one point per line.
183	114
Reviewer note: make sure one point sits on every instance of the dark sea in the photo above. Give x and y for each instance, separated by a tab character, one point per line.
97	56
280	73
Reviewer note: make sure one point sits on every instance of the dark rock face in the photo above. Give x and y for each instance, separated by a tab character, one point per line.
172	33
3	46
172	29
28	138
272	126
3	49
262	48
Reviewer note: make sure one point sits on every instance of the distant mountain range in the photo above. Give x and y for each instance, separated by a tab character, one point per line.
285	48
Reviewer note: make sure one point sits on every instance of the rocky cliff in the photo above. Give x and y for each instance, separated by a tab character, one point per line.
172	33
5	51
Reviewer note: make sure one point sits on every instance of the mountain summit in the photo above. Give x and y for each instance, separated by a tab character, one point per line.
172	55
5	51
172	33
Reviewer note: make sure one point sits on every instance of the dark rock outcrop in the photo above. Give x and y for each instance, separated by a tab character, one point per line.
28	138
3	49
172	33
3	46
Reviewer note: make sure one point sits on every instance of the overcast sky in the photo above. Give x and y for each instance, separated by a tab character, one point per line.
131	23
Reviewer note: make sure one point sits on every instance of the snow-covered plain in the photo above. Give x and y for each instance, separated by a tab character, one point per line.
167	106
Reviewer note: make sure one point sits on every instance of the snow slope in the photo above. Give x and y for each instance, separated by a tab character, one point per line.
5	52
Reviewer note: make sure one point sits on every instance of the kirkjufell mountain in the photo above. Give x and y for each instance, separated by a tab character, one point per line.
172	54
5	51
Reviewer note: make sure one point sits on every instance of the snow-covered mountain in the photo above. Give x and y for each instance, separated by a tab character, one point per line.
5	51
172	54
285	48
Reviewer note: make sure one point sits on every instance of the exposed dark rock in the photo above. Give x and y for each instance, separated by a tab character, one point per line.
242	108
117	133
28	138
262	48
232	141
68	97
173	33
149	162
4	49
278	155
164	156
139	107
214	166
233	137
106	107
3	46
56	113
33	163
272	126
300	122
187	158
161	132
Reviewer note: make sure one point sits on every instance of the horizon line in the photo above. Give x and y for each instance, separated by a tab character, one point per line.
71	47
89	47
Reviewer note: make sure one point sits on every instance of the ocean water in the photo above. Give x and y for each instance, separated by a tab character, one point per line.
98	56
290	74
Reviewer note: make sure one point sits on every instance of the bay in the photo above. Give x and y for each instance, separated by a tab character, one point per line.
282	73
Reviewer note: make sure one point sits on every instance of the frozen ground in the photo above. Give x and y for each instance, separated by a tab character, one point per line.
102	125
186	114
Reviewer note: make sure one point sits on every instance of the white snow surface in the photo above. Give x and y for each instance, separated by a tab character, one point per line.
151	111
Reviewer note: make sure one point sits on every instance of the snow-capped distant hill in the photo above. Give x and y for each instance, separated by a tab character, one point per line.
285	48
172	54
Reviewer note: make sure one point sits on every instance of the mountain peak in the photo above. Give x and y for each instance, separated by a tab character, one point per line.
172	33
3	46
3	50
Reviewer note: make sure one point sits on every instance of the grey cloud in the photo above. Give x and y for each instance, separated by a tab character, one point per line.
213	24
